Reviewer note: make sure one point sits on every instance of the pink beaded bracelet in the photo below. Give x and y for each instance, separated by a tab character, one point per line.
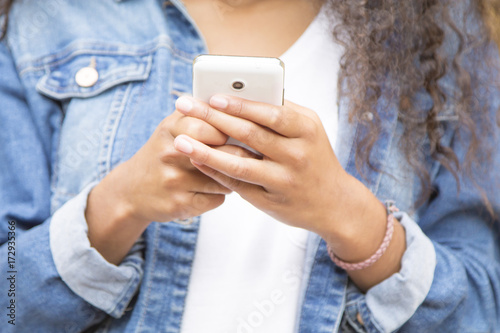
381	250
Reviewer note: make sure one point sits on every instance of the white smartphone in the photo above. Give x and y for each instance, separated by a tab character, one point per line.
259	79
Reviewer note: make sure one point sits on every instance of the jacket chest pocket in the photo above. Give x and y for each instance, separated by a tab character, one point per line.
97	91
89	74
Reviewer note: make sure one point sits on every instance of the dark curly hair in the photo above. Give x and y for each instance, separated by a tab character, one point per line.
397	48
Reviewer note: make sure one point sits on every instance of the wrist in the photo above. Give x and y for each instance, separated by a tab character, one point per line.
354	266
355	231
112	226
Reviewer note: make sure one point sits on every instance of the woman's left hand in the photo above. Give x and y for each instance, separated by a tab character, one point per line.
298	181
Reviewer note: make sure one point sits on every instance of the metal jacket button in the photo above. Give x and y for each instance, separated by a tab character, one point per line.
86	77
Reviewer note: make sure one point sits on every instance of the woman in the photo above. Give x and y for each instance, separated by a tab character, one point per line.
98	144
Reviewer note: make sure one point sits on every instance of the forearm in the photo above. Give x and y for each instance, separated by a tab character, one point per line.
83	269
363	226
112	229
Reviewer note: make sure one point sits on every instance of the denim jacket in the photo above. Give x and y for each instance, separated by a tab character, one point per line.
60	137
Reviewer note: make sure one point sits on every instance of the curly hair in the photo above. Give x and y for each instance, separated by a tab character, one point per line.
396	48
492	18
4	17
405	41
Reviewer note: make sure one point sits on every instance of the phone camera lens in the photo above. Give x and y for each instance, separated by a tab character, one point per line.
238	85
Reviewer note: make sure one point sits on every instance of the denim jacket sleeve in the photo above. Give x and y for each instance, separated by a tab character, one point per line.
102	284
388	305
466	279
465	285
27	141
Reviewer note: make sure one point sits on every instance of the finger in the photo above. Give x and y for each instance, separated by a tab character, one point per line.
197	129
168	155
299	109
245	169
259	138
203	202
197	182
238	151
247	191
285	120
207	185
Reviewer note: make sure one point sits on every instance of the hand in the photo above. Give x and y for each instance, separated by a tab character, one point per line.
298	181
156	184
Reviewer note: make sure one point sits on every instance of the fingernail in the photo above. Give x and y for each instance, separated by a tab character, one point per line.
184	104
219	102
183	145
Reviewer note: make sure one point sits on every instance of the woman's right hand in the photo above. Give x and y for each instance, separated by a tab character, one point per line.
157	184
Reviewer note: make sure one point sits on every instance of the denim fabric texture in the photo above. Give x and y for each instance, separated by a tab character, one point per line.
58	139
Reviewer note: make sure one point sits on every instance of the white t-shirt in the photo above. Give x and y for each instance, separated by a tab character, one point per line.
248	266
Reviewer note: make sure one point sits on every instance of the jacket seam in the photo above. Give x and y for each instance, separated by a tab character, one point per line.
66	54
